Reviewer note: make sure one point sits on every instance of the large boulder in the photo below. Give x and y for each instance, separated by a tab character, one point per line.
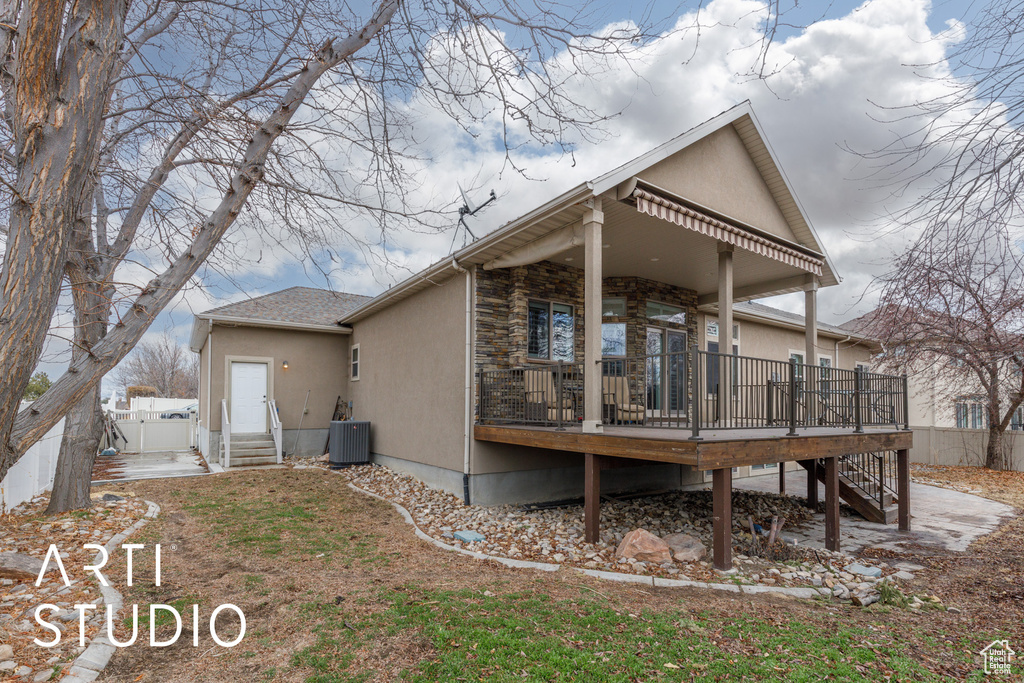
685	548
643	546
20	567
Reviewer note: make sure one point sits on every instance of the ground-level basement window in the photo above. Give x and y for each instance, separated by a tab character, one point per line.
355	362
550	331
769	466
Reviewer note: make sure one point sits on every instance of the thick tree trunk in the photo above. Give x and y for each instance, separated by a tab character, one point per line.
83	429
994	459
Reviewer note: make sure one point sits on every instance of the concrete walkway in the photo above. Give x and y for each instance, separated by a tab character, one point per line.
156	465
942	518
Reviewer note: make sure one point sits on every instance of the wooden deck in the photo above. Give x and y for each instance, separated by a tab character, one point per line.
718	451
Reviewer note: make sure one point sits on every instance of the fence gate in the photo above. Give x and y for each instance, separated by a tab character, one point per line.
147	431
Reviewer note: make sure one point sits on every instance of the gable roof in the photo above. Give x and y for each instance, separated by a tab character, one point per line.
528	227
293	308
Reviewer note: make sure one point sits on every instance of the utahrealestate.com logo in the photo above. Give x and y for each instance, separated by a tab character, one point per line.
84	610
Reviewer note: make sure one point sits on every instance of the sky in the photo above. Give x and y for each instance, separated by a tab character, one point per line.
827	99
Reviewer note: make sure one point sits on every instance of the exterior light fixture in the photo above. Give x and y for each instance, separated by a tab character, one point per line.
568	258
284	365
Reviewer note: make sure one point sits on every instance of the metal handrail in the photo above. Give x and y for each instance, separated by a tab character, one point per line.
225	431
681	389
275	429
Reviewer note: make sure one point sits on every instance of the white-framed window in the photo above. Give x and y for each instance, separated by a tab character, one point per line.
863	367
550	331
667	313
798	356
711	329
354	363
766	466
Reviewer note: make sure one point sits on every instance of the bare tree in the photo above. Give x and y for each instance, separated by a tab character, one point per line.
163	364
953	306
958	156
141	132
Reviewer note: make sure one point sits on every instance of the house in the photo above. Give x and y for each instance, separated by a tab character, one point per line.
575	349
948	411
280	358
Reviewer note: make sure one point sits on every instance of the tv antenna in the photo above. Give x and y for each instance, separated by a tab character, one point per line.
468	208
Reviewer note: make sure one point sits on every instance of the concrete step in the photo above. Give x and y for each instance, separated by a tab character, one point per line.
238	452
252	460
257	436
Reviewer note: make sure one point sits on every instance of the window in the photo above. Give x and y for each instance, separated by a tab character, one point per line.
799	358
712	329
971	414
1017	421
768	466
613	308
613	339
550	331
863	367
354	363
666	313
713	369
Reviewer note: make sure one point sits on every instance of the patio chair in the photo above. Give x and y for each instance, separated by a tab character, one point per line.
542	398
618	402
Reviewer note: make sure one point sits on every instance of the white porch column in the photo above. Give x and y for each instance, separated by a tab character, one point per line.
593	220
811	322
725	333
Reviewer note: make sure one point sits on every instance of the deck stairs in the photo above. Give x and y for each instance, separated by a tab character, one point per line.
866	483
248	450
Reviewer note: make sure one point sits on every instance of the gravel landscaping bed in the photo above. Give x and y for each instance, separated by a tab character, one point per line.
555	535
28	531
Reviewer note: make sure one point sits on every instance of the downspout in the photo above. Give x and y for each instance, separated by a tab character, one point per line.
838	342
468	404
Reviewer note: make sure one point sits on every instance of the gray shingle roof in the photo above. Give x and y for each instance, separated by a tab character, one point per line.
754	307
299	305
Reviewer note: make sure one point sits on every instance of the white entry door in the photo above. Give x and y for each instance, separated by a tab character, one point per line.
248	397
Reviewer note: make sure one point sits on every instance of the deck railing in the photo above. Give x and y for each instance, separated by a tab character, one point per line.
682	390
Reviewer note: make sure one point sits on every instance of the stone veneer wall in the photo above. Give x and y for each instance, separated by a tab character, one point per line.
502	299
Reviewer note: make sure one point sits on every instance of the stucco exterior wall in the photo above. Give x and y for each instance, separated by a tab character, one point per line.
317	362
763	340
709	171
412	376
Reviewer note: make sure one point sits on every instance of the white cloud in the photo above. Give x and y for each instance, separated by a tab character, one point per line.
819	103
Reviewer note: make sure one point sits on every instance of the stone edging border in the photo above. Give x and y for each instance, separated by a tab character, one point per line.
653	581
88	665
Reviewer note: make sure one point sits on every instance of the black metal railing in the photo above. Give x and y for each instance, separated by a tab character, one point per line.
684	390
873	474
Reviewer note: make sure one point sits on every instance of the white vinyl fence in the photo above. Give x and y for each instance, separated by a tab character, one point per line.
33	473
147	431
158	403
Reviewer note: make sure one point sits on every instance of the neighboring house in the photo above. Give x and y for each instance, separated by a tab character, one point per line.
948	414
488	374
284	350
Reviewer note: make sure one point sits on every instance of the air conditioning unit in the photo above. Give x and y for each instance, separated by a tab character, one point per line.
350	443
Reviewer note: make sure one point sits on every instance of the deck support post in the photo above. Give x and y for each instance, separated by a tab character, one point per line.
725	290
903	488
721	491
593	220
831	504
782	478
592	499
812	485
